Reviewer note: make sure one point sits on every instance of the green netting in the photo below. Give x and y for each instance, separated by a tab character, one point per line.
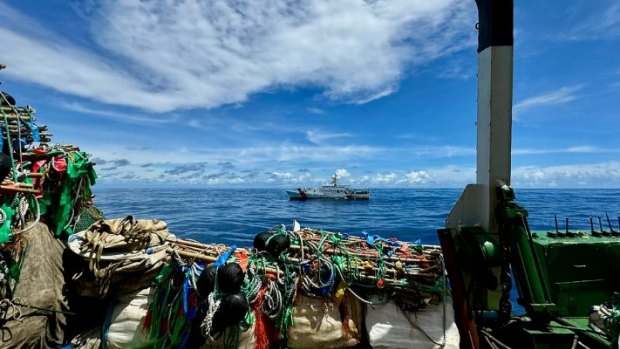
87	217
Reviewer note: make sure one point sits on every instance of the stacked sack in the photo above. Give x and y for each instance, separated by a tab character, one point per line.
120	255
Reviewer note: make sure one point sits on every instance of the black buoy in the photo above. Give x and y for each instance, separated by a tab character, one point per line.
5	166
232	310
230	278
272	242
206	281
260	240
278	244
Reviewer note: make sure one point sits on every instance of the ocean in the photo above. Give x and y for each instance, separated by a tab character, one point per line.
234	216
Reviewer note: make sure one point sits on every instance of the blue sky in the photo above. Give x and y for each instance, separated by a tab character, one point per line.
283	93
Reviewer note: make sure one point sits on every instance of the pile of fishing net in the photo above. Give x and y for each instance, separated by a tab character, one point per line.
297	289
39	180
50	181
51	184
44	194
33	305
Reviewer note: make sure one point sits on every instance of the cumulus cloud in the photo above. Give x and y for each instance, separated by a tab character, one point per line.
285	178
387	178
255	166
594	175
161	55
342	173
281	176
417	177
605	174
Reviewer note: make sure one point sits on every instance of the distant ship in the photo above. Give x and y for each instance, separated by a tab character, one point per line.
332	191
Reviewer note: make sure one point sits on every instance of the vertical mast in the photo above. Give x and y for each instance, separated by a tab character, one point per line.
494	121
495	61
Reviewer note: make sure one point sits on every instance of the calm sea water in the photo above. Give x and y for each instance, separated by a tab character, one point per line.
236	215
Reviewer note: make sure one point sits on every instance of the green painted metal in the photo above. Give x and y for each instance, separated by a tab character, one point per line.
580	269
559	278
532	285
523	333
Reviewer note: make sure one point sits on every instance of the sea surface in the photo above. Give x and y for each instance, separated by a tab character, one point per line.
234	216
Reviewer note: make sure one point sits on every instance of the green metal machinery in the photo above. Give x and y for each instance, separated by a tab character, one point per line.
565	280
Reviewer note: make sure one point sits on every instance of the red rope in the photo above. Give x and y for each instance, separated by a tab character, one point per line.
264	329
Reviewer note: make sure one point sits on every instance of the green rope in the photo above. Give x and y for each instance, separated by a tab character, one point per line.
231	337
5	227
290	286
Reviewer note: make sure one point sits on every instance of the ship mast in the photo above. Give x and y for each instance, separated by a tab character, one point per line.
494	121
476	206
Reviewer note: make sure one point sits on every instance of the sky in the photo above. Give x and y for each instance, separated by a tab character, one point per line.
280	93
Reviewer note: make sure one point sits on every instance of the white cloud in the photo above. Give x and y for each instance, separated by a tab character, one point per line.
63	67
602	23
457	68
281	176
569	150
161	55
386	178
318	137
562	95
594	175
342	173
294	153
597	175
417	177
131	118
315	110
445	151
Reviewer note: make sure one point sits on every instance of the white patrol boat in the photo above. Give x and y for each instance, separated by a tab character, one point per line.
331	191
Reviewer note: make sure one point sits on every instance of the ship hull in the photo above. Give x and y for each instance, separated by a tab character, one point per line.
317	194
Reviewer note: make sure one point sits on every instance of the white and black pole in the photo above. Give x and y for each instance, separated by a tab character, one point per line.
494	122
476	205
